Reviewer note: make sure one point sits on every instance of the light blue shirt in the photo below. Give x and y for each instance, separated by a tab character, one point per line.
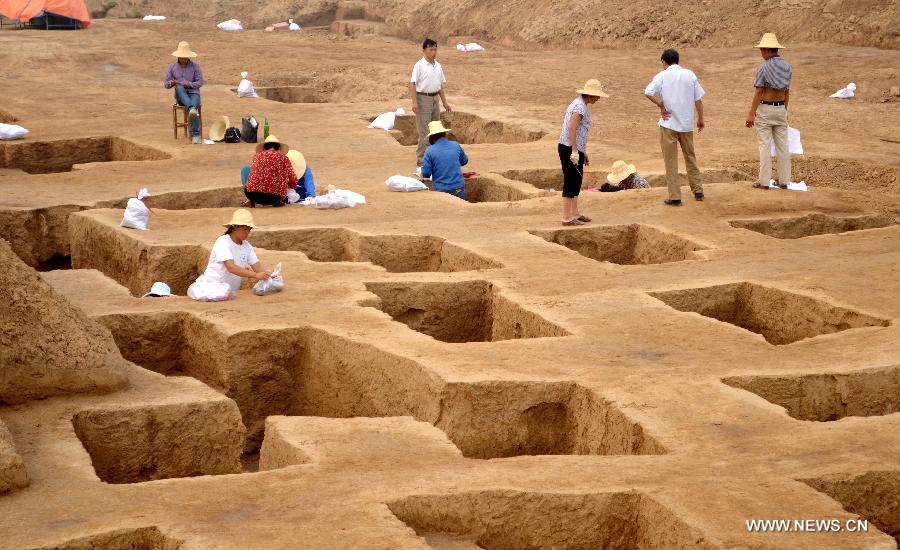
443	163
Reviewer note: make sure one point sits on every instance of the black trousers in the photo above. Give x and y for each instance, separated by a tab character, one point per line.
571	173
263	198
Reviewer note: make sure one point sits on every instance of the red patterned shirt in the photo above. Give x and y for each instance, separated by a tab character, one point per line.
272	173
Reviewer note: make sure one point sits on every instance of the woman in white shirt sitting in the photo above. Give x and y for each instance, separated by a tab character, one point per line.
232	256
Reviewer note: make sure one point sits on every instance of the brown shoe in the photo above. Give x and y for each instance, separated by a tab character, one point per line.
758	185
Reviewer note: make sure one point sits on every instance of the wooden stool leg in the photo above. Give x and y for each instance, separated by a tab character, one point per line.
175	121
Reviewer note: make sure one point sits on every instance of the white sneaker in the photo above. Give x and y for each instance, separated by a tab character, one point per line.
418	171
192	113
197	140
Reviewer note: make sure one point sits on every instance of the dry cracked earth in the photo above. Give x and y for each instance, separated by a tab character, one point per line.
441	373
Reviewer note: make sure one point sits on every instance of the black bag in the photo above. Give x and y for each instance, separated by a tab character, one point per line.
232	135
248	133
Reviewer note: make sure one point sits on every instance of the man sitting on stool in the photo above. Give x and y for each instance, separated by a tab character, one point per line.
186	77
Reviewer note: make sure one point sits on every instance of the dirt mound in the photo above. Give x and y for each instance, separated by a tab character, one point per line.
47	346
568	23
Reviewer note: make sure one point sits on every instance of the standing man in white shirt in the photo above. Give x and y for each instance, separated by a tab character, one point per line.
677	92
425	86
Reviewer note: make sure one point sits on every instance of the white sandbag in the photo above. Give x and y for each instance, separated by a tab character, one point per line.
845	93
12	131
400	112
245	88
230	25
293	197
275	283
798	186
293	26
137	215
339	198
794	145
203	291
154	18
384	121
470	47
404	184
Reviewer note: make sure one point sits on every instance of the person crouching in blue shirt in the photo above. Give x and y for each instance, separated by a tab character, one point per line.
443	161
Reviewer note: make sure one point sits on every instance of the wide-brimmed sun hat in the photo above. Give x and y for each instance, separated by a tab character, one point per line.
769	40
620	170
272	139
159	289
593	88
298	161
217	129
437	127
184	50
241	217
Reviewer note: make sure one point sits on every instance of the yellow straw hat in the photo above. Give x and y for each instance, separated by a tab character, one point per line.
437	127
620	170
241	217
769	40
272	139
593	88
184	50
297	161
217	130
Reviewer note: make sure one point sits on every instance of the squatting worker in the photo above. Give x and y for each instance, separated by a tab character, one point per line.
271	173
443	161
232	256
186	77
576	125
768	112
425	86
677	93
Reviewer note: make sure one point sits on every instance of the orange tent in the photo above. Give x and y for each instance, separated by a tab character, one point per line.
24	10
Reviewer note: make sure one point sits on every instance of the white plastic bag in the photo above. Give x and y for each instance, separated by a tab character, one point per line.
384	121
845	93
245	88
154	18
404	184
794	145
470	47
230	25
293	26
273	284
339	198
293	197
137	215
12	131
203	291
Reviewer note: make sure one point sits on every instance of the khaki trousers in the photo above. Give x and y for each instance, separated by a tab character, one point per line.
429	110
669	141
772	124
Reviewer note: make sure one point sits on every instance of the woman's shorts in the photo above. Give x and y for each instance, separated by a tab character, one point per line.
571	173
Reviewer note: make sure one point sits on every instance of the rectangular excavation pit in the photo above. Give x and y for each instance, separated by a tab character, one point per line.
395	253
871	495
45	157
141	538
781	317
631	244
514	520
812	224
468	311
711	175
828	396
466	128
551	178
147	442
292	94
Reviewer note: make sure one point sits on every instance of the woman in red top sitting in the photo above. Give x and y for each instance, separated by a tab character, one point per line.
271	173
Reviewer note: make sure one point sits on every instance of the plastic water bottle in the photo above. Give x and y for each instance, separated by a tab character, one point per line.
266	128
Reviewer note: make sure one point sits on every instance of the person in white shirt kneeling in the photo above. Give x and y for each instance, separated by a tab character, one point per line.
232	256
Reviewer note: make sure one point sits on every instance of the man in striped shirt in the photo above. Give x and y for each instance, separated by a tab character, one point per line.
768	112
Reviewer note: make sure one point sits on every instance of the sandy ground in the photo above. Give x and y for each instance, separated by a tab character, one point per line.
652	381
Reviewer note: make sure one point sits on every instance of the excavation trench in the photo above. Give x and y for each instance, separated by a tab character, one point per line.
489	189
308	372
780	317
293	94
45	157
624	244
872	495
466	311
827	397
395	253
466	128
552	179
142	538
504	519
812	224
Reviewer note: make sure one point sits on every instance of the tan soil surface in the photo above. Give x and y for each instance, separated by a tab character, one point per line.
442	373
